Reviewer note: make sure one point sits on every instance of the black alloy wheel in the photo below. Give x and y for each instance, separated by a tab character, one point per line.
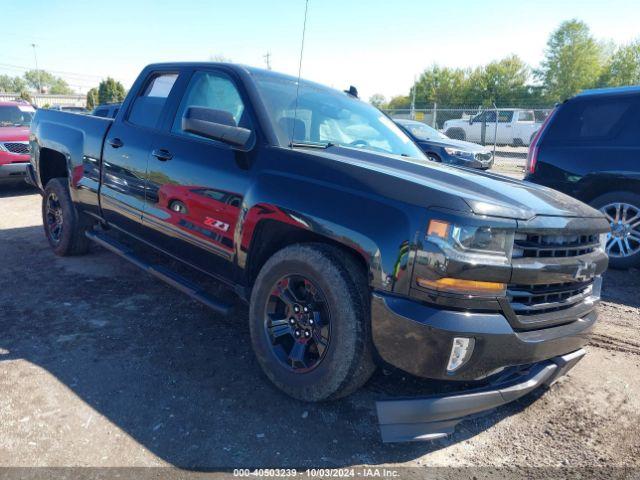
298	323
54	217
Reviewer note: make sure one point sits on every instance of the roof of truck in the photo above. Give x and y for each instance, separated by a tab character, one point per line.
239	67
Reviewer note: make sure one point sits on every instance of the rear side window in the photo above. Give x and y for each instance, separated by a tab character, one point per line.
101	112
607	120
526	117
147	107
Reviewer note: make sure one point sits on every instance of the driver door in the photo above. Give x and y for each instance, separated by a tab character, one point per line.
199	181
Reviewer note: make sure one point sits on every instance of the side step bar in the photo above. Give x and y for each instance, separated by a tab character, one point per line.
168	276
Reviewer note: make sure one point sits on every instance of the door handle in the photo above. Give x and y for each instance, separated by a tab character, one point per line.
162	154
115	142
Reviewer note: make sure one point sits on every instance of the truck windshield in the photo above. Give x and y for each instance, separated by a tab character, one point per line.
327	117
16	116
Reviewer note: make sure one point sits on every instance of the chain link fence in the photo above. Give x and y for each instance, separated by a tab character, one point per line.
508	131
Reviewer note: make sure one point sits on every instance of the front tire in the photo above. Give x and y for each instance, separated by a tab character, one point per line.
63	225
310	322
622	209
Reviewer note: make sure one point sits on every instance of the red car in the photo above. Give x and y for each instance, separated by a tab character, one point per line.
15	118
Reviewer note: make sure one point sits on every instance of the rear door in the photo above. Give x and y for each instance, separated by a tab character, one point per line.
200	182
125	187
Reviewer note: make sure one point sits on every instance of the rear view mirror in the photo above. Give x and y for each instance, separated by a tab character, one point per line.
471	121
216	125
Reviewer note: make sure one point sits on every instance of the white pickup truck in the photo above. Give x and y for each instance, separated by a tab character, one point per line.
515	127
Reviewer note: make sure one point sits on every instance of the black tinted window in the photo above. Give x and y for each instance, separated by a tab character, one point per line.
148	106
605	120
101	112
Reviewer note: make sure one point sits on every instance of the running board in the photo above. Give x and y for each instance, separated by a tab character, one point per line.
162	273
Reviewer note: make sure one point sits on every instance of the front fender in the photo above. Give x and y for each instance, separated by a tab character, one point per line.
381	231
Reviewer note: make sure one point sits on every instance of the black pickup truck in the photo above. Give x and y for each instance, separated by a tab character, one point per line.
351	248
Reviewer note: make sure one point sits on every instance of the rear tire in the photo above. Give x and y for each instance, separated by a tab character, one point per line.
623	212
341	309
64	227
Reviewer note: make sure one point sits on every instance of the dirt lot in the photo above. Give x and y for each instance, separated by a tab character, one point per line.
101	365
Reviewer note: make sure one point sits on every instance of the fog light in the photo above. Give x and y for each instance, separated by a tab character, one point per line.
461	351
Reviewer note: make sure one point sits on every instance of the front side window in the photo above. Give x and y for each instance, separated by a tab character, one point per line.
148	106
214	91
312	113
504	116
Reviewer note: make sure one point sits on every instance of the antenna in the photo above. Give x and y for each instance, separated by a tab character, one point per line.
295	111
267	60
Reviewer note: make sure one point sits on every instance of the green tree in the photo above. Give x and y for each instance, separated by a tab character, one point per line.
92	99
26	96
624	66
12	84
41	80
441	85
110	91
502	82
573	61
377	100
400	102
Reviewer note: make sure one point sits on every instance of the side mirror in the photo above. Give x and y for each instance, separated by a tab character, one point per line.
471	121
216	125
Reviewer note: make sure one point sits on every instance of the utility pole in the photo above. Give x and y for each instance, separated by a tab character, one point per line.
35	57
267	60
412	113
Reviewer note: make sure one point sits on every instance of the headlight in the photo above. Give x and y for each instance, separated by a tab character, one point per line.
472	240
456	152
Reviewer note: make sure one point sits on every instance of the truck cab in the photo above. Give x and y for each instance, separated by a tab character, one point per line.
513	127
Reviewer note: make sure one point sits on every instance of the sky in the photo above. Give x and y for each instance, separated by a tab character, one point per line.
377	46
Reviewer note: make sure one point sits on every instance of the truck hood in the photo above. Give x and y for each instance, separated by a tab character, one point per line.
14	134
436	185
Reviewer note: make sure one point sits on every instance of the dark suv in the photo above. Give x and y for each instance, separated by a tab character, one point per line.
589	148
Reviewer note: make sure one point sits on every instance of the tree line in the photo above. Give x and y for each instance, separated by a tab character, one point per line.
574	61
108	91
35	81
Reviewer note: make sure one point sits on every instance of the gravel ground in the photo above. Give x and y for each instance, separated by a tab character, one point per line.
101	365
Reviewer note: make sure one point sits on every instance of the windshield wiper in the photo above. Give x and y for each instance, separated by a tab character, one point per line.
311	145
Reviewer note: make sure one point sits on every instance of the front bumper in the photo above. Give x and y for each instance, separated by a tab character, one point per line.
13	171
418	338
435	417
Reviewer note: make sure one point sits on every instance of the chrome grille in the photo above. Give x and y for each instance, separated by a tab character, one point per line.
553	246
545	298
21	148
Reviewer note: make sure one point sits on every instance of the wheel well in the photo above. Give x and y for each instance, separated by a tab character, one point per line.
602	188
271	236
52	165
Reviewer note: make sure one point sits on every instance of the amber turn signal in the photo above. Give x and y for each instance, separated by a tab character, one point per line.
438	228
467	287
